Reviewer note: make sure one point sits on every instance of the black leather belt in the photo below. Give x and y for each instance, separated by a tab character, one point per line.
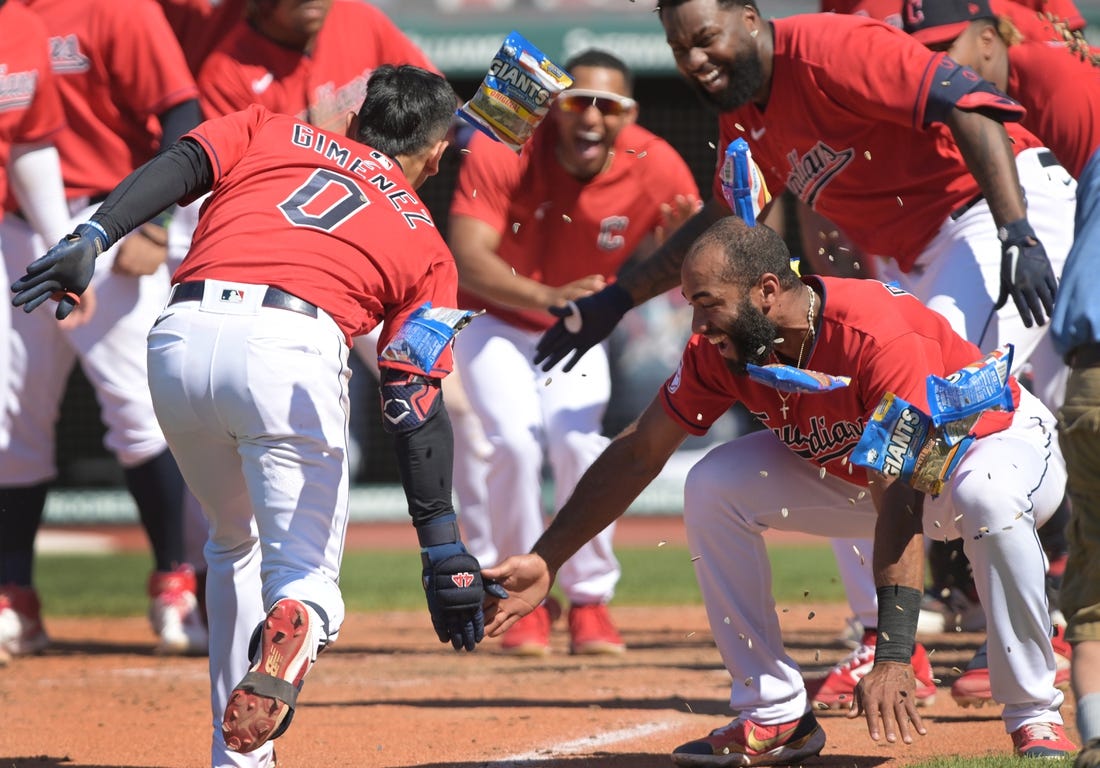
958	212
1085	356
275	298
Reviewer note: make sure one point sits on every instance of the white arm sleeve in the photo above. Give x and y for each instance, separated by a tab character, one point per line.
35	172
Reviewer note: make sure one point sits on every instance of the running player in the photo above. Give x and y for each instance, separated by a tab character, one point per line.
248	369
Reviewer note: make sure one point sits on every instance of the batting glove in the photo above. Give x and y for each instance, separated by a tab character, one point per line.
453	585
63	273
584	323
1026	274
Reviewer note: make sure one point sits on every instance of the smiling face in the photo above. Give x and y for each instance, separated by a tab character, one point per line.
716	51
722	313
588	127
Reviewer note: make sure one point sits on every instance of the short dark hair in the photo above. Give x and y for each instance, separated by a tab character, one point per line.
595	57
751	252
407	109
662	4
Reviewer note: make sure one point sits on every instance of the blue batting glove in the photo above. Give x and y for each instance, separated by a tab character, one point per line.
584	323
63	273
454	589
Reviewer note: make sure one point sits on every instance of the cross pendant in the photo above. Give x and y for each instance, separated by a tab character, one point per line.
783	410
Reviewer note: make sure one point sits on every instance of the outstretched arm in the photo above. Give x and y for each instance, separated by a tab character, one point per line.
604	493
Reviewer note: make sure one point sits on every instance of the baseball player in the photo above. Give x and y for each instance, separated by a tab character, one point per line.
903	149
530	232
248	369
1061	93
118	70
30	117
750	308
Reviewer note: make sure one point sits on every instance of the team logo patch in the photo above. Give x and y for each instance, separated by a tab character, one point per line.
232	296
462	580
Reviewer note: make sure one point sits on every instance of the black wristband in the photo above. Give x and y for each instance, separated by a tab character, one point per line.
444	531
898	611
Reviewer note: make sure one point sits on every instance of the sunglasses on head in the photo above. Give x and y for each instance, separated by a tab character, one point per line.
578	100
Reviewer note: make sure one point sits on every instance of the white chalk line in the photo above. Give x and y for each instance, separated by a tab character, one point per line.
584	745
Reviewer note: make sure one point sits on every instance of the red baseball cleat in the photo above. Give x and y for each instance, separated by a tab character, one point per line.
1042	740
591	631
972	688
745	743
262	705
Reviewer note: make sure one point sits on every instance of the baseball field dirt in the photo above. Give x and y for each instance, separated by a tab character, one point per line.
388	695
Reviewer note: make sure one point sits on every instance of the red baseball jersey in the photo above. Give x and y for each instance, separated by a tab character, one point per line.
881	337
30	108
844	131
556	228
1062	96
321	88
1061	10
118	66
320	216
200	25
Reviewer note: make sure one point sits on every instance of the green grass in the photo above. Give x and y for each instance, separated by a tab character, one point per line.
997	761
114	585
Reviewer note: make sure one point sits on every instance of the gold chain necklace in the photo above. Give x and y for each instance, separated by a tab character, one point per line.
809	334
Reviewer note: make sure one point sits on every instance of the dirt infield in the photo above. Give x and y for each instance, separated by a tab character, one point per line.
388	695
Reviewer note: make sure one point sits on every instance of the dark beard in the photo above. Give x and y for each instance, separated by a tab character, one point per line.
753	335
746	76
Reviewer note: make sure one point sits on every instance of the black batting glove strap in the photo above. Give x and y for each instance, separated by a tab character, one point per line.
898	611
1026	274
454	590
66	267
598	315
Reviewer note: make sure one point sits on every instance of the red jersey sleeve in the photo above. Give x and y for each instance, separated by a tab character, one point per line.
698	393
487	179
30	106
145	59
225	139
439	286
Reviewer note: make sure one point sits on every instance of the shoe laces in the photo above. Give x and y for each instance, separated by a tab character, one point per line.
1040	732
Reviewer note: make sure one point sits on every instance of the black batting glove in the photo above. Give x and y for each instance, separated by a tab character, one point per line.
584	323
455	591
1026	274
63	273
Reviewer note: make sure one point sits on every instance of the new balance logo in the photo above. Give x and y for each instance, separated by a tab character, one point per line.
462	580
273	662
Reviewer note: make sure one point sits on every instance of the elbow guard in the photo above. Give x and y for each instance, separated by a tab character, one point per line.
955	86
408	400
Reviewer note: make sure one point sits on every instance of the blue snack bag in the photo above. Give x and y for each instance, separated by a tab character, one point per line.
516	93
980	386
742	185
421	339
900	441
787	378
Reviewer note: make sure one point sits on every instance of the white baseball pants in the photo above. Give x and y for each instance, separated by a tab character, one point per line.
1007	485
254	403
529	415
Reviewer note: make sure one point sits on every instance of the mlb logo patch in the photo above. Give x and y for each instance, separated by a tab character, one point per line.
232	296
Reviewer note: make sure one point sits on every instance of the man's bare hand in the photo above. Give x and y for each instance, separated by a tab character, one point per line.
673	214
139	255
527	580
584	286
886	696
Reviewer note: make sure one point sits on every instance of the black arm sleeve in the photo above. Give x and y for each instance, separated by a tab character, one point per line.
424	443
183	171
178	120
